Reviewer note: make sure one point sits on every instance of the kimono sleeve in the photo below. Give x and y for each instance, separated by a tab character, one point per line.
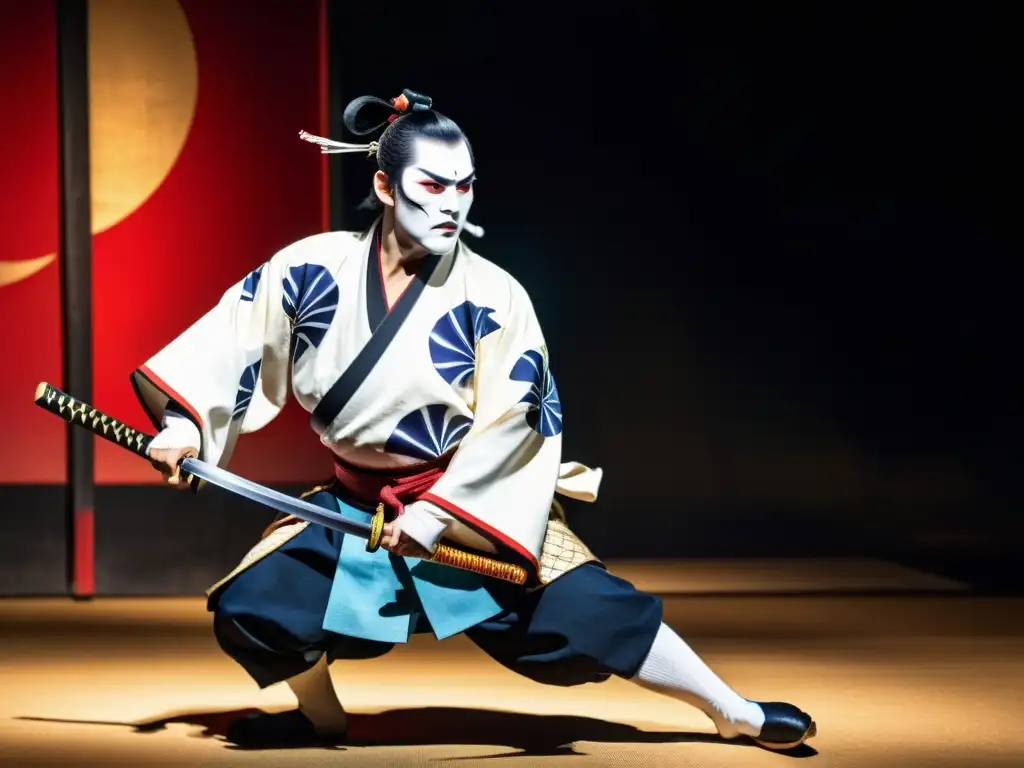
229	371
502	478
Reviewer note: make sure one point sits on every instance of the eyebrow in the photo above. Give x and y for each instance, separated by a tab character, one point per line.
446	181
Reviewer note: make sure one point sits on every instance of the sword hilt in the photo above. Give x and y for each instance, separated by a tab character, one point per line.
486	566
81	414
454	557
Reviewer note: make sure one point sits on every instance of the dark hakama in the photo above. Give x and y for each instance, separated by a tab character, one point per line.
585	626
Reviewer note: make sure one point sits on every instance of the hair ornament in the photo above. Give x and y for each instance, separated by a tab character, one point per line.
332	147
407	100
400	103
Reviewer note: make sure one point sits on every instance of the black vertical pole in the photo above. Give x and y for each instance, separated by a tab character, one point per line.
335	110
76	269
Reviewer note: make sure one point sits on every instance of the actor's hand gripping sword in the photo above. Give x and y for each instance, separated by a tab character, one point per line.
84	415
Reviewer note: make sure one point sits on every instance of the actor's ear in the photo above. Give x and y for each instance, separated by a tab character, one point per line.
382	186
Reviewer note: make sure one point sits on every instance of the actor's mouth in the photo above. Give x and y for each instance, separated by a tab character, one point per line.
447	226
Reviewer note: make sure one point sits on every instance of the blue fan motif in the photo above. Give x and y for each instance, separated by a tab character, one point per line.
429	432
454	338
252	280
310	301
246	388
545	413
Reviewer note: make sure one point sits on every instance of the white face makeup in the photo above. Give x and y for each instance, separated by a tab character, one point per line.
435	194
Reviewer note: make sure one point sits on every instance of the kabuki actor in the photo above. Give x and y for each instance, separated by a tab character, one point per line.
427	377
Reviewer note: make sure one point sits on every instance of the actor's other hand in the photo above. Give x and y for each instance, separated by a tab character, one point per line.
397	541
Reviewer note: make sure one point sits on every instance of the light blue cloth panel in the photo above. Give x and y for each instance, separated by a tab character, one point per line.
377	595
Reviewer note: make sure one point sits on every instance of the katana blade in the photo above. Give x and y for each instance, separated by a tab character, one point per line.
290	505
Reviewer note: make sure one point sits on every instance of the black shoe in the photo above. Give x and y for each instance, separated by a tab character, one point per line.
785	726
281	729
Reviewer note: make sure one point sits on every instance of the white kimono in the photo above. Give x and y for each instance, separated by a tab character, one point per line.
466	373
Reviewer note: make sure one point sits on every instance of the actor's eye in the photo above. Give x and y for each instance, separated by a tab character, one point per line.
464	188
433	187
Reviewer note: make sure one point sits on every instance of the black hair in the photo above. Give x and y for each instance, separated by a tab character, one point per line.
406	118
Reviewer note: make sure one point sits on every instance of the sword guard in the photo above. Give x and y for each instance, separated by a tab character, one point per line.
376	530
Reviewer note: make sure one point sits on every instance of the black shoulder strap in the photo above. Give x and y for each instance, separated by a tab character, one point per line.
337	397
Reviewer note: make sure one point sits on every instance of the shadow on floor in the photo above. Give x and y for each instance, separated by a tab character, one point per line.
524	734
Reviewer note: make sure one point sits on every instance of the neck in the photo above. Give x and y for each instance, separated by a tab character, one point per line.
397	252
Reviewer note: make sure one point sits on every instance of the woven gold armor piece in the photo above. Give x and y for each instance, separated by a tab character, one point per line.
563	550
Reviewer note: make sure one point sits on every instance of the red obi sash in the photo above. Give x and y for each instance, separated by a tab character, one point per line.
395	487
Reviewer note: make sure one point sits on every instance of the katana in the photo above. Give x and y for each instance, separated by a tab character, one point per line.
82	414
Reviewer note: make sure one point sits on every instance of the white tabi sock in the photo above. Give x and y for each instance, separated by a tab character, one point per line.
317	699
673	669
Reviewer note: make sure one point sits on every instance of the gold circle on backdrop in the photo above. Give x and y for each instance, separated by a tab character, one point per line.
143	84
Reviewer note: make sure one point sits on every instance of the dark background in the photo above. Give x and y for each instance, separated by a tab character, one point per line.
767	245
770	247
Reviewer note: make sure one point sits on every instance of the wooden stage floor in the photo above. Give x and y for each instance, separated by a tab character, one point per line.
930	679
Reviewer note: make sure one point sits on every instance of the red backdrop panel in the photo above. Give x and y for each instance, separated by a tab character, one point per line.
33	448
243	187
